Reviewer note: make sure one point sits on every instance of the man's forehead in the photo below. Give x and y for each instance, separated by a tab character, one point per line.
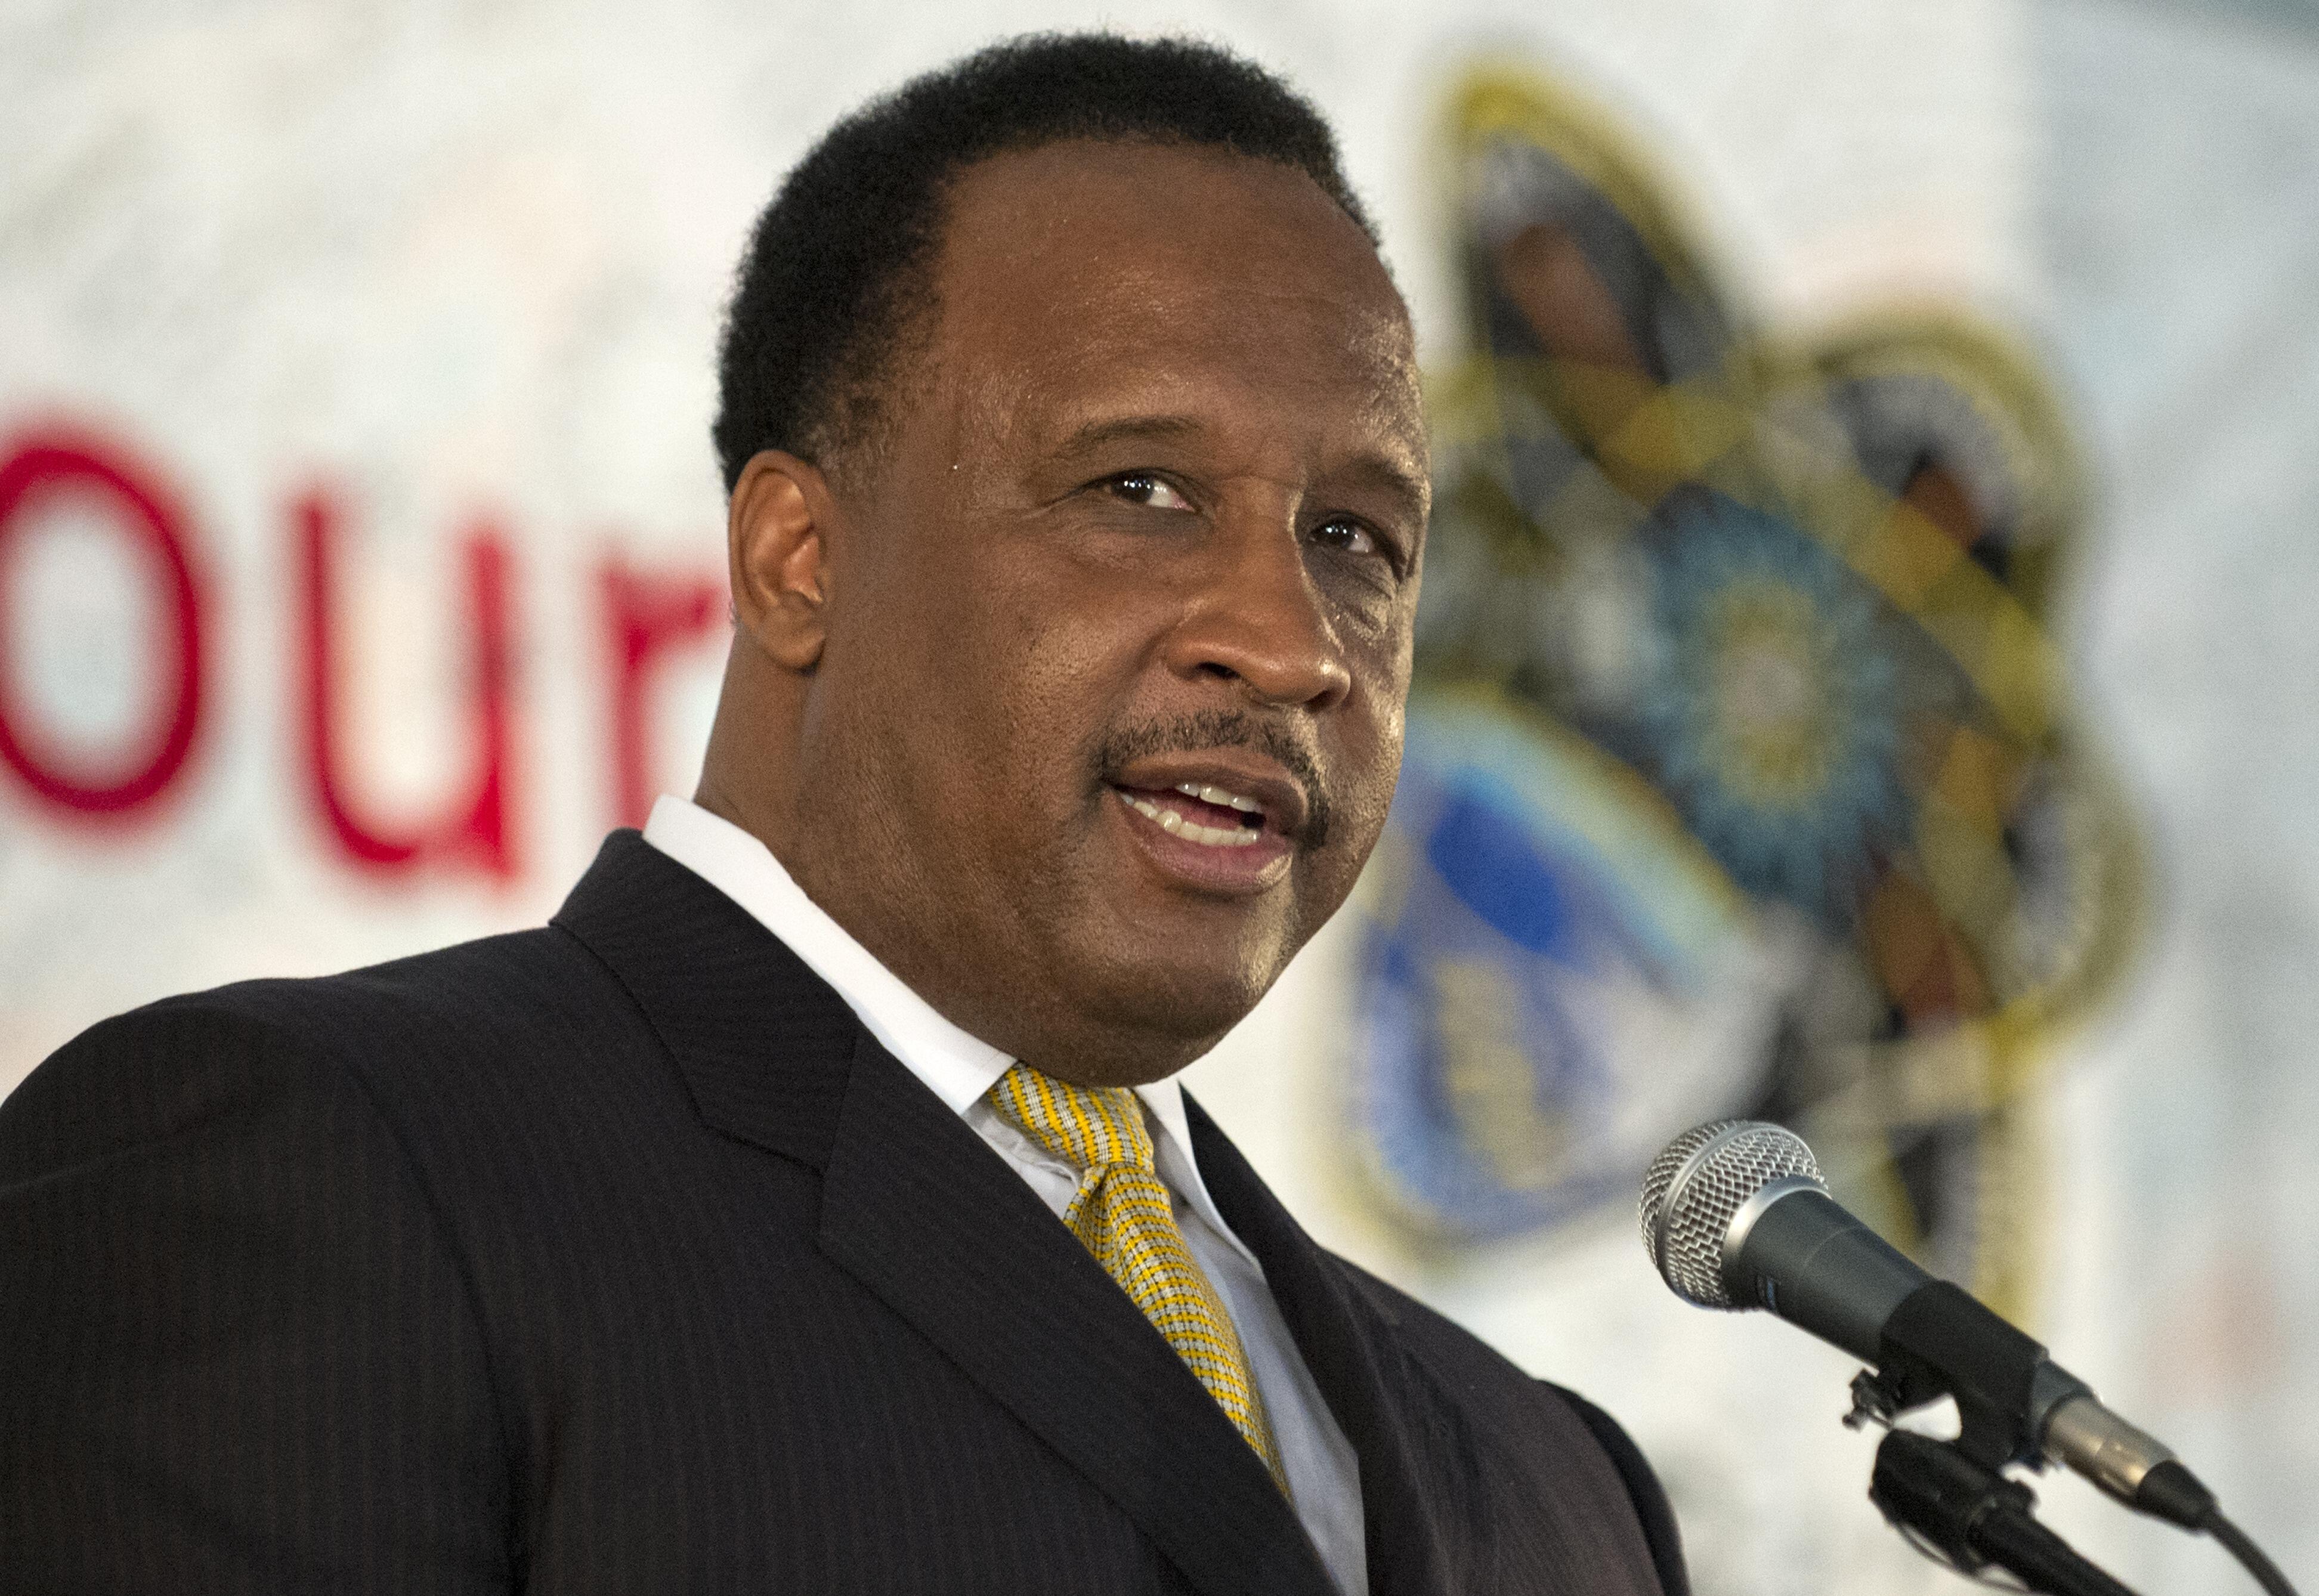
1135	266
1119	215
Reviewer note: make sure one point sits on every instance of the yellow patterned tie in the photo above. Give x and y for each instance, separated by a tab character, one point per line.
1120	1213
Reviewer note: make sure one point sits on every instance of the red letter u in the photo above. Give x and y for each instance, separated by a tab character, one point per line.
474	829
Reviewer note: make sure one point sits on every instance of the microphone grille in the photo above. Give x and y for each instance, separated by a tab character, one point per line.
1694	1188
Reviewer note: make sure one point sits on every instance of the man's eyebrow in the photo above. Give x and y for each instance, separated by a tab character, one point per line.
1394	479
1162	428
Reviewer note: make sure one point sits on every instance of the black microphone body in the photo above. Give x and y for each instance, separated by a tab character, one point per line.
1808	1260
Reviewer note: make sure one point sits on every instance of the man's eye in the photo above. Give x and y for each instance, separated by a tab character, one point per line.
1141	487
1348	536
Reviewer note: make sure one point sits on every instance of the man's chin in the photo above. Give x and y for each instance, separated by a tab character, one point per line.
1147	1016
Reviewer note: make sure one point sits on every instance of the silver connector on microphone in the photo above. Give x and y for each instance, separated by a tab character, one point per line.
2087	1437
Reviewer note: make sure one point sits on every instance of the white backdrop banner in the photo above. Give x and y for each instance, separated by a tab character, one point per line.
361	564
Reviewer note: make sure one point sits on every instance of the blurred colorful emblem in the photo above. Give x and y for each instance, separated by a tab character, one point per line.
1740	775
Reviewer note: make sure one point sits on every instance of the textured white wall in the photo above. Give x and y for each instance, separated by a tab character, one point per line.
2178	198
459	260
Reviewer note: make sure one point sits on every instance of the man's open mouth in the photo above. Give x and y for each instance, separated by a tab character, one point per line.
1198	812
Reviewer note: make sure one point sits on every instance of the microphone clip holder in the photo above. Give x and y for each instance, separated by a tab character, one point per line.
1952	1497
1941	1342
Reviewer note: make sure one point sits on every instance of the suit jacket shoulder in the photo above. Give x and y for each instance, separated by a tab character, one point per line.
240	1346
417	1024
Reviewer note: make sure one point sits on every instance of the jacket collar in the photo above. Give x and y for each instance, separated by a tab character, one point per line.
924	1214
763	1045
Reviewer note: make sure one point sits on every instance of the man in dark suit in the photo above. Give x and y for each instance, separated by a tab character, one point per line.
811	1206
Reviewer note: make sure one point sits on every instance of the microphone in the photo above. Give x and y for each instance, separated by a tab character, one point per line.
1734	1216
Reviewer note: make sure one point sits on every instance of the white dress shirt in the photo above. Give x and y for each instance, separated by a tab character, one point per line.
1323	1473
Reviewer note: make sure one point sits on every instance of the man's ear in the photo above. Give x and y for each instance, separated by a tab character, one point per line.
776	536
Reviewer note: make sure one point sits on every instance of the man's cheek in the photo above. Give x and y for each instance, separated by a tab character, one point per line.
1073	674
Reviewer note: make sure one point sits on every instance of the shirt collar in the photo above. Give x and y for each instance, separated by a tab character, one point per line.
957	1066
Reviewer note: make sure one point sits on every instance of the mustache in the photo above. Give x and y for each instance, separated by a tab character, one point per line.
1228	728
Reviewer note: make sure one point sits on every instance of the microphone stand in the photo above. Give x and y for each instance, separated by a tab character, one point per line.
1974	1516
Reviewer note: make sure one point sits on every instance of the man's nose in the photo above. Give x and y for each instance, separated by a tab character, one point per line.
1258	620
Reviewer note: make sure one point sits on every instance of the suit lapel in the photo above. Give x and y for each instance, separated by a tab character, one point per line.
922	1211
1408	1443
918	1209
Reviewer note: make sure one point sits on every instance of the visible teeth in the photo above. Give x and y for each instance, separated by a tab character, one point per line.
1220	797
1174	824
1217	836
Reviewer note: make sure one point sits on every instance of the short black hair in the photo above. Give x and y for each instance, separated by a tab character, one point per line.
838	273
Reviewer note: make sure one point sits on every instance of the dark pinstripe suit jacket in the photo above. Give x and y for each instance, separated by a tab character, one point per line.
618	1257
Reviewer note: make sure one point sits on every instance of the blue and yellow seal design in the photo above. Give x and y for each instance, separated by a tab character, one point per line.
1741	772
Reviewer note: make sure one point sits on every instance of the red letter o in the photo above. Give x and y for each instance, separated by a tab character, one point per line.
45	464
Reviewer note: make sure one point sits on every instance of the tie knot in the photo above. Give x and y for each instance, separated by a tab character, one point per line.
1092	1126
